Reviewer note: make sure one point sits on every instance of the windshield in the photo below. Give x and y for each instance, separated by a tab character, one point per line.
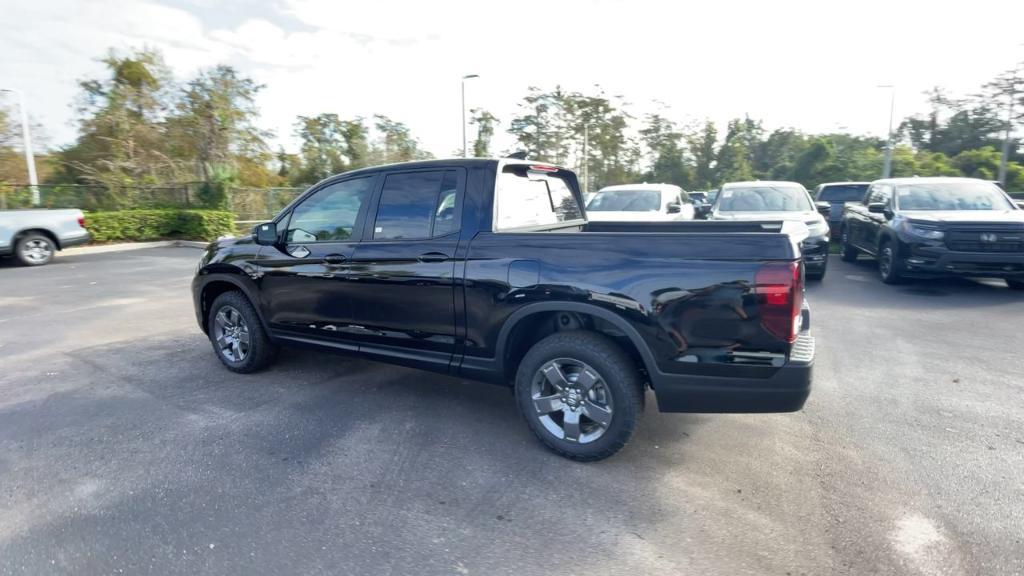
764	199
843	193
626	201
951	196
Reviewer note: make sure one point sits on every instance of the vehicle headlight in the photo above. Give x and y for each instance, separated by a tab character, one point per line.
921	231
819	228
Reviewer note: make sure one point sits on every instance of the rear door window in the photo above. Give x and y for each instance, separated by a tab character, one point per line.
417	205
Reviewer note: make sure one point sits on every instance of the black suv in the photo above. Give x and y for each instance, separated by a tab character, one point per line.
837	194
923	227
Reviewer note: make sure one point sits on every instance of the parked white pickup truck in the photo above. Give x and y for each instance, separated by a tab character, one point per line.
34	236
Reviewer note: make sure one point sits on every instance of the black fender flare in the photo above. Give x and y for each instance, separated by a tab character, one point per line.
562	306
240	280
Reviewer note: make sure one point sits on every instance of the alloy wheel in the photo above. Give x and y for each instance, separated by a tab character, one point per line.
37	250
885	262
231	334
572	401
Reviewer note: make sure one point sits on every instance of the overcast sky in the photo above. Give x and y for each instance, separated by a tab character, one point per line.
809	65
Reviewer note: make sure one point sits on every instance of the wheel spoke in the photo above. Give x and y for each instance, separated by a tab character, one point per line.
599	414
222	341
571	425
555	376
548	404
222	320
243	337
236	350
586	380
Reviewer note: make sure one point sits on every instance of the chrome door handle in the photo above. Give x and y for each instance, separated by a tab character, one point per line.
334	259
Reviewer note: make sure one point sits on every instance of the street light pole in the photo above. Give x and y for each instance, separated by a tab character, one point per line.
1005	158
586	158
465	147
887	167
26	136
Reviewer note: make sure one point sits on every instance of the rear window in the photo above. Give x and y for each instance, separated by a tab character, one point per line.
843	193
524	197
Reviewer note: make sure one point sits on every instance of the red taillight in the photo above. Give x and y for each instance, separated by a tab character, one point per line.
81	221
780	286
541	168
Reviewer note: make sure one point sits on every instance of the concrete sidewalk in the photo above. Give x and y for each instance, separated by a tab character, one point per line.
121	247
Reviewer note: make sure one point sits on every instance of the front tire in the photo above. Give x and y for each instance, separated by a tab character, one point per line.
817	276
847	251
237	335
890	265
580	394
34	250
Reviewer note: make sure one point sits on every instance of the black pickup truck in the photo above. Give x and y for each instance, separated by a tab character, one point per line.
927	227
489	270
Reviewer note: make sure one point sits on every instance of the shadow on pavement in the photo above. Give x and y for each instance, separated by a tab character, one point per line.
154	454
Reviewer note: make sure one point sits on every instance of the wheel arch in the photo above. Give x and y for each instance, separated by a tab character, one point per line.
43	231
526	326
218	283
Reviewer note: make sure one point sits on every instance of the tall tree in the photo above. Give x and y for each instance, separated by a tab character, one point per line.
120	137
396	142
663	143
702	143
733	160
542	127
323	146
485	123
215	125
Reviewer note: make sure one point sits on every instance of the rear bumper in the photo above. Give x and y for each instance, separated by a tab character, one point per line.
785	390
75	240
938	261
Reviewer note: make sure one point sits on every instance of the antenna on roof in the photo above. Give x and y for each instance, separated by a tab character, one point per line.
520	155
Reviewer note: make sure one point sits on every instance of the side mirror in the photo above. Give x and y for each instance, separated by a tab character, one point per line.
266	233
824	208
674	208
702	211
1020	204
876	207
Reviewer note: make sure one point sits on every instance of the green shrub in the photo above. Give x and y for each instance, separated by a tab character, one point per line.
141	225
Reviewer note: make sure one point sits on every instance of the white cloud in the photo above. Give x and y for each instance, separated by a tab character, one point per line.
810	65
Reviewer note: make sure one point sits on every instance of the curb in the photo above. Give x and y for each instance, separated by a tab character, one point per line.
134	246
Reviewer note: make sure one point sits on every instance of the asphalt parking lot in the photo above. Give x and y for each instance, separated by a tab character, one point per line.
125	447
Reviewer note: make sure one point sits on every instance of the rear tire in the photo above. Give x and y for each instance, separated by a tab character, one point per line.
580	394
34	250
237	335
1015	284
846	250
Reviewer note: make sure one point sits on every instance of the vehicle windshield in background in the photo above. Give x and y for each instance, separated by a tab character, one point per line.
843	193
527	197
764	199
951	196
626	201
